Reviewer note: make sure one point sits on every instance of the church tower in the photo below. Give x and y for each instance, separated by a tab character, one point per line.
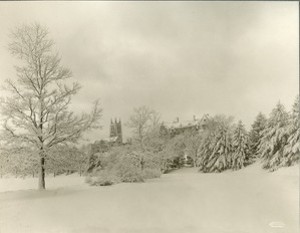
116	131
119	132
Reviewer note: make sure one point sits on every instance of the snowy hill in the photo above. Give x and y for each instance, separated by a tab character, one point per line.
251	200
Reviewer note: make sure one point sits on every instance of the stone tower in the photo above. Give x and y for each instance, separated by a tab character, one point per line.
116	131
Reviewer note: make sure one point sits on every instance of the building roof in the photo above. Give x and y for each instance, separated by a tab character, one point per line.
109	139
187	123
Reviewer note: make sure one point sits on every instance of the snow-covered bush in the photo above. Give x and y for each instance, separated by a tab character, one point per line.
66	159
18	160
128	167
125	164
102	178
150	173
88	179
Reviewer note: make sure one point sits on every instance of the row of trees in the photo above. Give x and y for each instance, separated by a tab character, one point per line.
273	140
63	159
223	144
220	145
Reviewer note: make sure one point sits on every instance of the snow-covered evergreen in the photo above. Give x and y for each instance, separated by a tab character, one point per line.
206	144
292	149
218	145
240	155
205	149
274	139
255	135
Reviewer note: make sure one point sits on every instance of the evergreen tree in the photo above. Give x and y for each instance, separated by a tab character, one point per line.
256	134
292	149
206	145
240	156
274	139
219	146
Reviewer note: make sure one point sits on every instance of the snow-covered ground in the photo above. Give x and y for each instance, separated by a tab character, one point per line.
246	201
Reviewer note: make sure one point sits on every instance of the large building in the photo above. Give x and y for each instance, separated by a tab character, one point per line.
178	127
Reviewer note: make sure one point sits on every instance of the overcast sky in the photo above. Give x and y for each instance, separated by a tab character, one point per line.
179	58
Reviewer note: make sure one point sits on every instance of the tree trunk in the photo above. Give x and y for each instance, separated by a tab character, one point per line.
194	162
41	152
142	164
42	174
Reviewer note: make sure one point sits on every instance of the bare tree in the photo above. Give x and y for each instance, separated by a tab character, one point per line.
36	111
144	123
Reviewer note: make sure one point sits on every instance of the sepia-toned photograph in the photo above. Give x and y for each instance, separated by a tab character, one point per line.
149	117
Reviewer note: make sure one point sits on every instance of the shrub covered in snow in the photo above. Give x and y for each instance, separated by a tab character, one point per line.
150	173
125	164
102	178
128	167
